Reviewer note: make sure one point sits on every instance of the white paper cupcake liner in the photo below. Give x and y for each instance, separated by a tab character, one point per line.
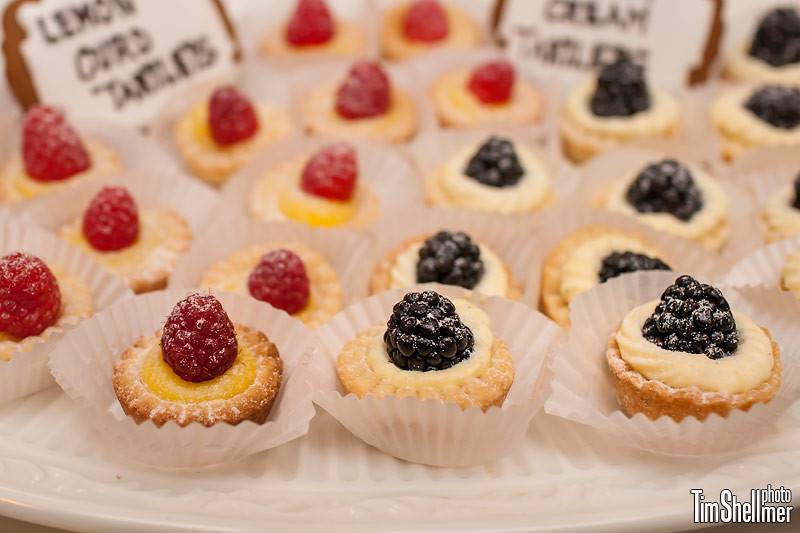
346	251
27	371
83	366
584	391
431	431
380	167
552	227
764	266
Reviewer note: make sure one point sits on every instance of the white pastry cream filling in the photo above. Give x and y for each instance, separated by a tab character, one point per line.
530	192
660	118
493	282
781	216
790	275
711	216
471	316
735	121
581	270
748	367
744	67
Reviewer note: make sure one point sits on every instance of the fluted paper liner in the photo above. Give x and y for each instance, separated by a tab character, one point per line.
584	391
346	251
83	366
27	371
431	431
764	266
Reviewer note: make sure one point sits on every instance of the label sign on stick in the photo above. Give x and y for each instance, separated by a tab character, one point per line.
564	39
113	59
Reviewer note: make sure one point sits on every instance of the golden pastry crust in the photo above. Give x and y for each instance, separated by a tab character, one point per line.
254	404
397	125
463	33
16	186
637	394
381	278
347	40
76	304
214	164
326	295
172	237
484	390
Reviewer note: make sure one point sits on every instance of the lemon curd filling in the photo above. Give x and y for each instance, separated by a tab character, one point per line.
300	206
162	381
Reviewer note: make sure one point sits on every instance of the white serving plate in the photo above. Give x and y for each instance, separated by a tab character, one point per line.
55	471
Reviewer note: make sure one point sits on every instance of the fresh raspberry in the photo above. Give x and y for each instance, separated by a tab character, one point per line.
199	342
331	172
280	279
364	93
426	21
231	116
30	300
111	222
311	24
51	149
492	82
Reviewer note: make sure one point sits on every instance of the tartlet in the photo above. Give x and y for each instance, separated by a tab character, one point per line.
463	362
781	214
689	354
773	54
615	108
200	368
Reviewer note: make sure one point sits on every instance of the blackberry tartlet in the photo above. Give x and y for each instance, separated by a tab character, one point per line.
773	53
450	258
674	197
617	107
781	215
588	257
689	354
497	175
431	348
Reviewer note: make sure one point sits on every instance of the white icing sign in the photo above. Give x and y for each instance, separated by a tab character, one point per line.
566	38
113	59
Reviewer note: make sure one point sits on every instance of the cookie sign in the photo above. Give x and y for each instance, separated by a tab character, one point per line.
564	39
113	59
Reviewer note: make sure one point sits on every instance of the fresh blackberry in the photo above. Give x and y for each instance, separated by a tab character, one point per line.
495	163
693	317
425	333
621	89
796	202
777	39
618	263
776	105
665	187
450	258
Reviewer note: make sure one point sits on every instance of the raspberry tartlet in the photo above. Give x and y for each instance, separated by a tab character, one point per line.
689	354
139	245
617	107
365	104
431	348
199	368
781	214
52	155
773	53
323	189
37	301
491	93
312	30
588	257
450	258
497	175
411	28
749	117
287	275
216	137
674	197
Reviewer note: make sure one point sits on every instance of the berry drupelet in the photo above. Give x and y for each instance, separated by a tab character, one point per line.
777	39
621	89
618	263
693	317
425	333
665	187
450	258
776	105
495	164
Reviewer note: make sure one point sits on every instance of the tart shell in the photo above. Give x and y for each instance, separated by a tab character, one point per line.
463	33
